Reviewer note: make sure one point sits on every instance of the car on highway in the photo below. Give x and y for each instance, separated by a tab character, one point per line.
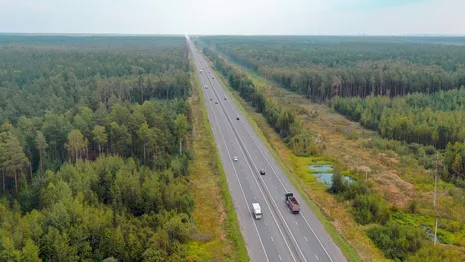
213	77
216	102
206	87
237	118
235	158
225	98
262	171
256	211
211	99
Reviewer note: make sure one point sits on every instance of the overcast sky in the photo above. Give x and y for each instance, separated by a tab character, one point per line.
234	16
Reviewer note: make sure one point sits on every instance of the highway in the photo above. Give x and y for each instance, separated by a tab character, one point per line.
279	235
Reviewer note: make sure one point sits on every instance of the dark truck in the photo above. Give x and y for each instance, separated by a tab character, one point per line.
292	203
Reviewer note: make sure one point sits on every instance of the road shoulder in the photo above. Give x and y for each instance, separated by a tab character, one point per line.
219	237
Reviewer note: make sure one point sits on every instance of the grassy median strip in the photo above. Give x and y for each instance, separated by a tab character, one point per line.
334	217
220	238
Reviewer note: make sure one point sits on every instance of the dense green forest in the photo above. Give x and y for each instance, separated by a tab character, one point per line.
93	149
325	67
62	73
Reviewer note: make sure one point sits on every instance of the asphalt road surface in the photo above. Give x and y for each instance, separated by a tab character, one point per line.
279	235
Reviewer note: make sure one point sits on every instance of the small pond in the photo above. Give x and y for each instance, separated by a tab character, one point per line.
324	175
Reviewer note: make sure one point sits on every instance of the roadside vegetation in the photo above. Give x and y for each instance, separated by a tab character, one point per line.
394	207
272	134
219	237
282	119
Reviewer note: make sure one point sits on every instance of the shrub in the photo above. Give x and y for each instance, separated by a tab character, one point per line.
432	253
413	207
354	189
338	185
370	208
397	241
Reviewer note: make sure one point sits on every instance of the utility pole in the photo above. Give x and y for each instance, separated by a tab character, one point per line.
434	199
435	180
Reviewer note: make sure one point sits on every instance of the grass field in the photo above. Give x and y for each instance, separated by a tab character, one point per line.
219	238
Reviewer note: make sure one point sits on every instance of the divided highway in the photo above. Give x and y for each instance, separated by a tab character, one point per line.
279	235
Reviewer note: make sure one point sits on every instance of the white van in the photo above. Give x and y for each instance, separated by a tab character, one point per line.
256	210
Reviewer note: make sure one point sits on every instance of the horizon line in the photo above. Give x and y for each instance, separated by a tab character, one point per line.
179	34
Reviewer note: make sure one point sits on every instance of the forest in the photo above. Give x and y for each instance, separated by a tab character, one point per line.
322	68
94	149
407	89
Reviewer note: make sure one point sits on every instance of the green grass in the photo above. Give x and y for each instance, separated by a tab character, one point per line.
449	232
214	188
346	249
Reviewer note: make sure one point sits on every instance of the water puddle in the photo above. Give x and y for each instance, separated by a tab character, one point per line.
324	175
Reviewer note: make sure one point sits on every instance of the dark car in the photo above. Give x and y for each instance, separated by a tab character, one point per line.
237	118
216	102
262	171
225	98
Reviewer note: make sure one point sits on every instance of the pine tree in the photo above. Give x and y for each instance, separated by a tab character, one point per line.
100	137
76	144
41	144
181	126
14	157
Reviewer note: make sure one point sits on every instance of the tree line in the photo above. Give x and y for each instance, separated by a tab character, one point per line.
151	132
305	51
324	70
64	75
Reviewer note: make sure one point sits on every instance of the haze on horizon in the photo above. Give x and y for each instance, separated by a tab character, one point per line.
246	17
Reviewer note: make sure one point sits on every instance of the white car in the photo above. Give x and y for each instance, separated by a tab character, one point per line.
235	158
256	210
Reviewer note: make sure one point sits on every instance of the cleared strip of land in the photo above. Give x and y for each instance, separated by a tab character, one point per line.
219	238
